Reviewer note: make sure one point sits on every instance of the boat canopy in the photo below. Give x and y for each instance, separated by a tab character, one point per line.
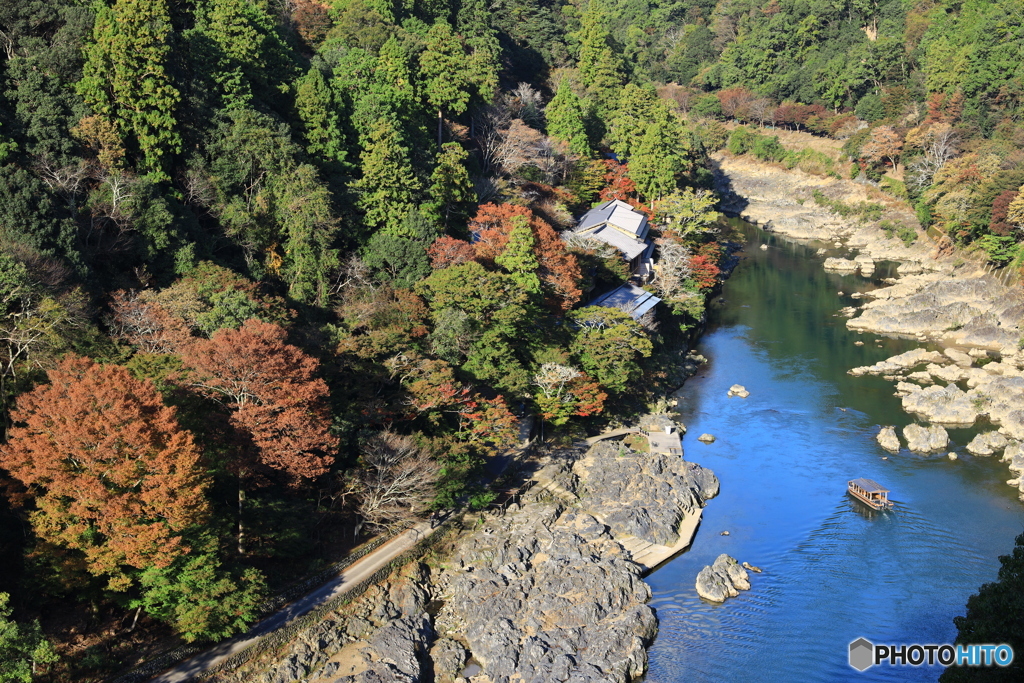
869	485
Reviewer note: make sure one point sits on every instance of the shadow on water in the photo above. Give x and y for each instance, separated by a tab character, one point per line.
834	570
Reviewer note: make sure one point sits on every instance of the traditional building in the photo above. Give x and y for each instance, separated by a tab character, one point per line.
618	224
630	299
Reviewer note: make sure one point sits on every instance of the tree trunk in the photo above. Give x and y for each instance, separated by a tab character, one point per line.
439	121
135	620
241	503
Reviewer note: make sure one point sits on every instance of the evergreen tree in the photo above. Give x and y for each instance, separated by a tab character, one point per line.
388	187
662	159
565	117
451	197
601	70
319	109
518	257
450	72
126	80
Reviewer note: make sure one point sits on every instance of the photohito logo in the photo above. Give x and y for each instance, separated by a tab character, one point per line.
865	654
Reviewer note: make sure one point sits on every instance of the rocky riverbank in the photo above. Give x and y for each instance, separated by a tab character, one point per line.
545	590
939	298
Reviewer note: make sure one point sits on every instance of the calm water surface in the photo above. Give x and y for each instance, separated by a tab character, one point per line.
833	570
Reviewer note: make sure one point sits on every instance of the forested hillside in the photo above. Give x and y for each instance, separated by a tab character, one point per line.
278	273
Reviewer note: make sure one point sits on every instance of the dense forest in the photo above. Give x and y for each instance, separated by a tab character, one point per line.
276	274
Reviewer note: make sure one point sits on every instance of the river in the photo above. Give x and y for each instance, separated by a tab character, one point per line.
833	570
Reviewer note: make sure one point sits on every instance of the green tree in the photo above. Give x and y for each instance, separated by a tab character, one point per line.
308	227
451	198
662	159
320	111
401	259
248	52
389	187
566	120
126	78
451	71
199	599
601	70
994	615
689	213
518	257
609	344
22	647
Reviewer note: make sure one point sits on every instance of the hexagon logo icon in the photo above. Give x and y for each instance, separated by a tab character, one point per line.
862	654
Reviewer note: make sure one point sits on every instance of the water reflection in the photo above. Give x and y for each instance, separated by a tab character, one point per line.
834	570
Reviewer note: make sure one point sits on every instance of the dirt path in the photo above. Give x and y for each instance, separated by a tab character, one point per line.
356	573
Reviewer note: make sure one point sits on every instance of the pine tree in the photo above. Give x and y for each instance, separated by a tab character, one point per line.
565	117
388	187
125	78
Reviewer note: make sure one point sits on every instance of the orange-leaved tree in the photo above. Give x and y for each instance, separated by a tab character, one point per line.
558	270
276	400
113	474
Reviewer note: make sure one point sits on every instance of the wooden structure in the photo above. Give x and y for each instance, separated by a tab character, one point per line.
870	492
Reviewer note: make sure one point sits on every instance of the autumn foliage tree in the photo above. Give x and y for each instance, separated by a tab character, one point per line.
558	270
563	391
273	393
113	475
277	403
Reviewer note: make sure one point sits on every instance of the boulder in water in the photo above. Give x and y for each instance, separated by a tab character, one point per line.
723	579
738	390
706	438
987	444
888	440
925	439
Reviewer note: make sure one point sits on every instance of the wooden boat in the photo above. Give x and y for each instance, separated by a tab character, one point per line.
869	492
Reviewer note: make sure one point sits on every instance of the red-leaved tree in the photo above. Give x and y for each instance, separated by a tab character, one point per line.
113	475
447	251
558	270
275	397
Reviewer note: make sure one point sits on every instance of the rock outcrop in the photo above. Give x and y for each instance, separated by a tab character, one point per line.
888	440
644	496
842	265
529	592
706	438
723	579
989	443
977	312
925	439
948	405
900	363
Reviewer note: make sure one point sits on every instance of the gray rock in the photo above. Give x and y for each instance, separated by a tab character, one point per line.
925	439
841	265
901	362
946	405
738	390
888	440
706	438
721	580
449	658
987	444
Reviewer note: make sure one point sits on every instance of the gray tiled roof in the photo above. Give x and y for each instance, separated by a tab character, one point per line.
628	298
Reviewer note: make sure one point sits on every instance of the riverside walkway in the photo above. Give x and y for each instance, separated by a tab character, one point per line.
351	576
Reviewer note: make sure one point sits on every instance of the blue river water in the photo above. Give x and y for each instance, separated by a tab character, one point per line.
833	569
